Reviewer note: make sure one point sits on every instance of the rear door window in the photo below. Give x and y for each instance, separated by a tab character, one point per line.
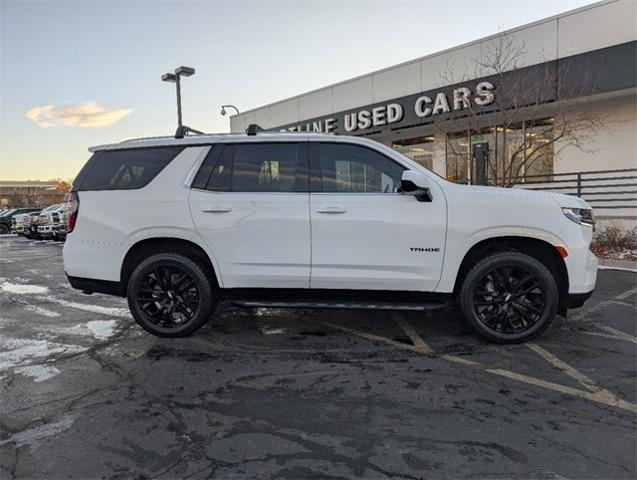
256	167
268	167
124	169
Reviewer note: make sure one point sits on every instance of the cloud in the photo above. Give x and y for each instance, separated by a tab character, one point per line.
88	114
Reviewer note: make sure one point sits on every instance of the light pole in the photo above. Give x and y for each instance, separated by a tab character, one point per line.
223	109
174	77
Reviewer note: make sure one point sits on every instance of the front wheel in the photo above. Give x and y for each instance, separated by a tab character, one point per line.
170	295
509	297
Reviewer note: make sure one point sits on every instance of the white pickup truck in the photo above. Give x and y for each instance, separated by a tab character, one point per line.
312	220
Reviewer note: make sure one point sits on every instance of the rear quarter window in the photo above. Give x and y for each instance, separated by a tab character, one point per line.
124	169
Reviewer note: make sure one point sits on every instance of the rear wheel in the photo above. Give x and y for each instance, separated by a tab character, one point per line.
509	297
169	295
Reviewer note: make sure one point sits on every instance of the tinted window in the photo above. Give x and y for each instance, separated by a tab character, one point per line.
221	178
258	167
268	167
124	169
201	179
356	169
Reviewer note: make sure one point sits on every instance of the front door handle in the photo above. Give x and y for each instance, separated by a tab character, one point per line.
217	209
332	210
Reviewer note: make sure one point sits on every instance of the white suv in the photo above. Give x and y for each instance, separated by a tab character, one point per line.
310	220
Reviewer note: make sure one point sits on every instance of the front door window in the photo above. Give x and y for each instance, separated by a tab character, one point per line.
354	169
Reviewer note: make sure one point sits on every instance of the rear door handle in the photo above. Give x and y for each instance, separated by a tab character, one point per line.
217	209
332	210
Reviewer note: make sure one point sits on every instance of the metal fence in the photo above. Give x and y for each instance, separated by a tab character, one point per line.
603	189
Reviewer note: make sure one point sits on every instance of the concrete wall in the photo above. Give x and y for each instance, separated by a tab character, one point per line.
589	28
615	147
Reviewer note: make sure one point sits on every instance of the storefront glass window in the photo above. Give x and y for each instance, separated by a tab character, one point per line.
516	153
458	157
539	150
419	149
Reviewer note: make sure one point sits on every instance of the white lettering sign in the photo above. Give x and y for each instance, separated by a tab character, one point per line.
424	106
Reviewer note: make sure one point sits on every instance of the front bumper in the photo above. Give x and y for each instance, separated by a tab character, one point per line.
576	300
45	231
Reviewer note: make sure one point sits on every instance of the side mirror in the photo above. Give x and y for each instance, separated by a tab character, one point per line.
416	184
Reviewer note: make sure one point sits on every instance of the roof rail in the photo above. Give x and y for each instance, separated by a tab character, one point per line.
183	130
253	128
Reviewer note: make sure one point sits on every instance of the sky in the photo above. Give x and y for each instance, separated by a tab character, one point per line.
82	73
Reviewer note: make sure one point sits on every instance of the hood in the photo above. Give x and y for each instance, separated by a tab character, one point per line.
567	201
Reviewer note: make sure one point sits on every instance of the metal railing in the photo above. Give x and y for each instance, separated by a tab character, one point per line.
603	189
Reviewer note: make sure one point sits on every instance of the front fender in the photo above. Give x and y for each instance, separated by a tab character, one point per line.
456	251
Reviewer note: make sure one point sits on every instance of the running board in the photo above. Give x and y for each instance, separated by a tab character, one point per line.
339	305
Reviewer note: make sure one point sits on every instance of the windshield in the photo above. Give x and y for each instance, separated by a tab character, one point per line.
4	213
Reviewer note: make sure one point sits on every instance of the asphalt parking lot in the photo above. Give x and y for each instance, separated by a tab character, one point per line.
306	394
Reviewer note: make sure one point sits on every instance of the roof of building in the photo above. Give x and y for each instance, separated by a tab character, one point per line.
28	183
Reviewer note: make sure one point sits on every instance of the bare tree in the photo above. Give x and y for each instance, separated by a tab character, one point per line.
524	95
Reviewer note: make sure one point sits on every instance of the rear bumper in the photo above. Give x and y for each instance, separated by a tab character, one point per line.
91	285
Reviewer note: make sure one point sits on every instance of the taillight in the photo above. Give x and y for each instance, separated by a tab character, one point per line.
71	210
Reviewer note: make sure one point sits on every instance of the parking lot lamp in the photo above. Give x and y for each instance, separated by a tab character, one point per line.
223	109
175	78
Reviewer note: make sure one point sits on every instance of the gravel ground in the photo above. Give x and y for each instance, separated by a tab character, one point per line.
306	394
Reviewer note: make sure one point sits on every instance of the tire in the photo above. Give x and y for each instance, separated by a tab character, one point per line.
4	229
169	295
509	297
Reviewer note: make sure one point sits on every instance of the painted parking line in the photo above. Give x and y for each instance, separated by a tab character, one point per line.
599	397
413	336
564	367
585	315
593	393
374	338
614	333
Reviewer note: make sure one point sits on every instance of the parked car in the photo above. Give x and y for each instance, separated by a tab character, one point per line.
30	225
17	223
6	217
59	232
315	220
50	221
33	220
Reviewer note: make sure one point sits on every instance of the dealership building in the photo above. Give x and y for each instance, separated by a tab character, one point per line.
551	104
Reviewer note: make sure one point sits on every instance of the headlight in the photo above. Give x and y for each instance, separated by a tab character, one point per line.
583	216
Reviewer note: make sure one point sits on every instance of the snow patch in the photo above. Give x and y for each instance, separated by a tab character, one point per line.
607	267
31	436
109	311
16	352
40	373
102	329
22	289
41	311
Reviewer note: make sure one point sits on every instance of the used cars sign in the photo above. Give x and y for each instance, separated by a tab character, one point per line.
419	106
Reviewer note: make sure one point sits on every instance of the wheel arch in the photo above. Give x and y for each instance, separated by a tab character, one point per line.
534	247
150	246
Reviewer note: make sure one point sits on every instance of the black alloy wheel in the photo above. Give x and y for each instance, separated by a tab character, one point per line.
509	297
169	295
